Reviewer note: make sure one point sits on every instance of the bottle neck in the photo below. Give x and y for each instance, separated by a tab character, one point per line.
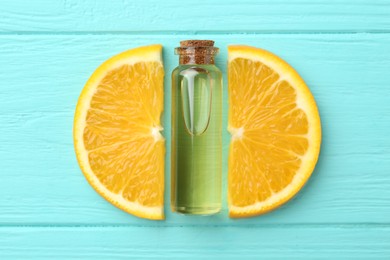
196	54
196	59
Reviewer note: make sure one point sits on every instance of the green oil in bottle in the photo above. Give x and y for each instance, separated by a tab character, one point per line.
196	162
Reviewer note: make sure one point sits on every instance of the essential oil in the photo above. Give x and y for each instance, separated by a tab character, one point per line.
196	162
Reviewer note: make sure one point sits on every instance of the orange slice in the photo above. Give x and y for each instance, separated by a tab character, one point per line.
275	128
117	131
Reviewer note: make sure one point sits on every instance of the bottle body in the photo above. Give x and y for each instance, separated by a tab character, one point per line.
196	148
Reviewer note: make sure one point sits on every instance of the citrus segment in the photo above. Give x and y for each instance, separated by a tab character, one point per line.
117	131
275	128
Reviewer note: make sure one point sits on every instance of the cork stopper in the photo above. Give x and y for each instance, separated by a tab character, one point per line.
196	52
197	43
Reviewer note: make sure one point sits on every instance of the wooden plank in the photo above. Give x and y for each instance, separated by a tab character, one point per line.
335	242
203	16
43	75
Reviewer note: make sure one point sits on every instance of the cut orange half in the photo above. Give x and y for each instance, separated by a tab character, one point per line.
275	131
117	131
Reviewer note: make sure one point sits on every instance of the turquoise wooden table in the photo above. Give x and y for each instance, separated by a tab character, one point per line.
48	49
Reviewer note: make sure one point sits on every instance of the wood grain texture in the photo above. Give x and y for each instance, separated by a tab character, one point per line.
48	49
41	181
140	16
195	243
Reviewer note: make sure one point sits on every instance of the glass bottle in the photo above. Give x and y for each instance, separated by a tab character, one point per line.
196	162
